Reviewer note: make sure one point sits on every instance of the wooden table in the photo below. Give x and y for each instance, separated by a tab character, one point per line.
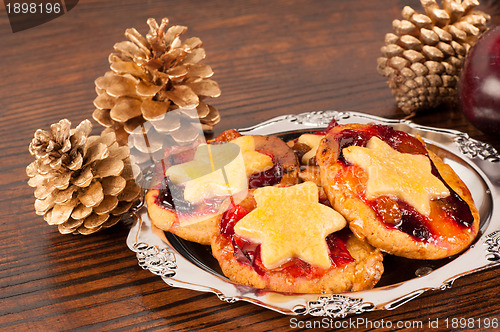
270	58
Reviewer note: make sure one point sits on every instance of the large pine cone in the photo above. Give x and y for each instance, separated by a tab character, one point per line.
424	56
153	75
82	183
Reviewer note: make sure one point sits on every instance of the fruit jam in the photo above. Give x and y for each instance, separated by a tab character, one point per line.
248	253
397	213
166	200
269	177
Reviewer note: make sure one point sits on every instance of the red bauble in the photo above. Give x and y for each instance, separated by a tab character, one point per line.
479	86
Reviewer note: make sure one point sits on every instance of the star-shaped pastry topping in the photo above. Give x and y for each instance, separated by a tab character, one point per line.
289	222
391	172
216	170
312	141
255	161
203	177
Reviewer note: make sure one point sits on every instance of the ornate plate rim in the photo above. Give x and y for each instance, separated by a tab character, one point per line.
154	252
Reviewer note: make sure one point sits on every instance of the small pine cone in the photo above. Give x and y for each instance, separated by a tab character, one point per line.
61	147
153	75
82	184
423	58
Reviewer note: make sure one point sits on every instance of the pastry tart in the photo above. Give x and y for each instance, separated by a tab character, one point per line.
190	205
395	192
289	242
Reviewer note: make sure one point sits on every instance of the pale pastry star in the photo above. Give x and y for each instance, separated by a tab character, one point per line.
312	141
289	222
390	172
255	161
203	177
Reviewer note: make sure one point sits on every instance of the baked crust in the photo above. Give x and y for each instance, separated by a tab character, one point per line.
168	221
365	223
198	228
363	273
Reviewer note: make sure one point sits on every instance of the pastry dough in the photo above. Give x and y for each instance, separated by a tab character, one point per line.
200	224
360	270
389	223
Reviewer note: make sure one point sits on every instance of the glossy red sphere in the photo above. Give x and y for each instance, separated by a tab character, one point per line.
479	86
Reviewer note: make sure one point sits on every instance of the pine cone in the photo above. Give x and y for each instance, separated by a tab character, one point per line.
425	55
153	75
59	148
82	183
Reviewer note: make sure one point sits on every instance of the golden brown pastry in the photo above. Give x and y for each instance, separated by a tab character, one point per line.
395	193
189	205
292	243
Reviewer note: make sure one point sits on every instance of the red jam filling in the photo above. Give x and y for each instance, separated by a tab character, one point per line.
409	221
269	177
248	253
168	201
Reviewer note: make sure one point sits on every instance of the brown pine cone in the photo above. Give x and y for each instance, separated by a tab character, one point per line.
424	56
153	75
82	184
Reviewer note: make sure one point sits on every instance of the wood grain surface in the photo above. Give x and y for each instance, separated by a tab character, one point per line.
270	58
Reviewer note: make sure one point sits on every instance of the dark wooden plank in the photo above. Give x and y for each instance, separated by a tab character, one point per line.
270	58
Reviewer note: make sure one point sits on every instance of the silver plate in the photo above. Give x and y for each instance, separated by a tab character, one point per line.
187	265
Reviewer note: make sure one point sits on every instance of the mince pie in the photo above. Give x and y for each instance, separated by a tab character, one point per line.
395	192
290	242
198	184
